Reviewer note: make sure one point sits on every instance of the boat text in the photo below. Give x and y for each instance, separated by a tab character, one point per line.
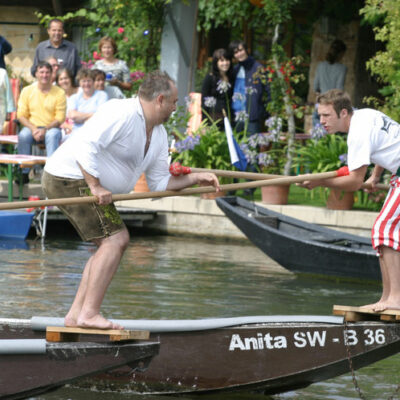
302	339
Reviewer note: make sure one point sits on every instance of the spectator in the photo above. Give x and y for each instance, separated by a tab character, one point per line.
41	111
6	98
54	68
5	48
82	105
117	72
100	83
330	74
64	51
217	87
250	95
65	81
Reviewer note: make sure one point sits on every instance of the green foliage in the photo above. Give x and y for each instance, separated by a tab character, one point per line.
321	155
210	150
385	65
236	13
135	25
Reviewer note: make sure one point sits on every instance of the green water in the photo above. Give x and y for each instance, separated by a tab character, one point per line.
170	278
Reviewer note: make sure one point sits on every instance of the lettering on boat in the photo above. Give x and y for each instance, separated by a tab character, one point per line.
303	339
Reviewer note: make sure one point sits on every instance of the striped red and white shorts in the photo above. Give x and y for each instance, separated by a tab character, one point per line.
386	229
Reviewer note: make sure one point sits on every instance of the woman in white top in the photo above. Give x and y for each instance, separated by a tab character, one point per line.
6	98
82	105
117	72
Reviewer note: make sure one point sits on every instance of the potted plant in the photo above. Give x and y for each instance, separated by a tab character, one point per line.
267	152
324	153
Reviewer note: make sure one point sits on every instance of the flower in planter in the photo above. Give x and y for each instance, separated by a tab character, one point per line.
266	151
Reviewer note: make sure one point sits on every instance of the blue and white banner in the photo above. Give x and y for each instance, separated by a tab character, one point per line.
238	159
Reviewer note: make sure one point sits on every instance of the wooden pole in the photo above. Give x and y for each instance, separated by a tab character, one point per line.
286	180
261	176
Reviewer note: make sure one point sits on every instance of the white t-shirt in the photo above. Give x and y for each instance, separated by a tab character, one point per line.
373	138
110	146
78	103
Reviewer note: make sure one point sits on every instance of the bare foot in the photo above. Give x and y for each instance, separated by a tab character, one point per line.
70	321
387	305
369	306
98	322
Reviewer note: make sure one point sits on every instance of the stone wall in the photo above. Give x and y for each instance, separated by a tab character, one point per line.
19	25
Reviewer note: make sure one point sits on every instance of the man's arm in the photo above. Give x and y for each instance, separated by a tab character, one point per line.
103	195
200	178
350	183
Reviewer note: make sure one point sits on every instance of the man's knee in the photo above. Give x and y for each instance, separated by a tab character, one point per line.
25	135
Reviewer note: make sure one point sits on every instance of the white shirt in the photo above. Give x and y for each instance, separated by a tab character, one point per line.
110	146
373	138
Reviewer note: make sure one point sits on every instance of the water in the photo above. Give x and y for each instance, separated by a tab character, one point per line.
164	277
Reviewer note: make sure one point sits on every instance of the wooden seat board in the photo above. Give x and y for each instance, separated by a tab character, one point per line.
70	334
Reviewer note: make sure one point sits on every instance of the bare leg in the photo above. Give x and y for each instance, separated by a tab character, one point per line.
385	286
73	313
97	275
391	260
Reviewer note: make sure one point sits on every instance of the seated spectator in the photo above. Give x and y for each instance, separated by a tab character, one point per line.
100	84
82	105
41	111
65	80
117	72
6	98
54	68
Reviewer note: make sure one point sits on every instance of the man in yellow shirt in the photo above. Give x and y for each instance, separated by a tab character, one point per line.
41	110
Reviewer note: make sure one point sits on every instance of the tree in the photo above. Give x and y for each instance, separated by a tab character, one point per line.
385	65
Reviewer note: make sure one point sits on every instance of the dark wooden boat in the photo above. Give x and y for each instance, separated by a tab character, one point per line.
300	246
269	353
31	366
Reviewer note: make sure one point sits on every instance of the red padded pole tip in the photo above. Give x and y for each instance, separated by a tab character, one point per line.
343	171
176	169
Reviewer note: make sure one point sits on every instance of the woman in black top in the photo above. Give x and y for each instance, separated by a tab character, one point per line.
217	88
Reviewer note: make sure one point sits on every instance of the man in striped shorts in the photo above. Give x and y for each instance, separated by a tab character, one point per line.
373	138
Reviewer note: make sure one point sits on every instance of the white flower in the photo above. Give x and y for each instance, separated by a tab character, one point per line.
250	90
241	116
238	97
223	86
210	101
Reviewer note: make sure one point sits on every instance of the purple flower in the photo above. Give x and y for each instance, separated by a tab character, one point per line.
343	158
318	131
189	143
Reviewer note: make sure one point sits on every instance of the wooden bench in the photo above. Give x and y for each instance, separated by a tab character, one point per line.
20	161
353	314
67	334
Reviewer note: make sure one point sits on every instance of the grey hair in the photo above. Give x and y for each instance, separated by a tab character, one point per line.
154	84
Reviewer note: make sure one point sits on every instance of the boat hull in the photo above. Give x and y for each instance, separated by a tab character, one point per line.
45	366
276	356
302	247
15	225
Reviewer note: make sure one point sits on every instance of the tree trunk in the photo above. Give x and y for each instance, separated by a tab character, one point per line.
288	108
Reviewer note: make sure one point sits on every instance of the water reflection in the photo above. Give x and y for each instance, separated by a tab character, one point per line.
174	277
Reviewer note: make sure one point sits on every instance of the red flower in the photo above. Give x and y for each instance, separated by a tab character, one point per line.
120	30
96	55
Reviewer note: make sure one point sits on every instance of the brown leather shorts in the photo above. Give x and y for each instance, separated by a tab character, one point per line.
91	220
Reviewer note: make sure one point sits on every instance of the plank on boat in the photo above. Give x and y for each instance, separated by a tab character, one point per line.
353	314
72	334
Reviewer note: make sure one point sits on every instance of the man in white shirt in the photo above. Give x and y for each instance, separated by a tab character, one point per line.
120	141
372	138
